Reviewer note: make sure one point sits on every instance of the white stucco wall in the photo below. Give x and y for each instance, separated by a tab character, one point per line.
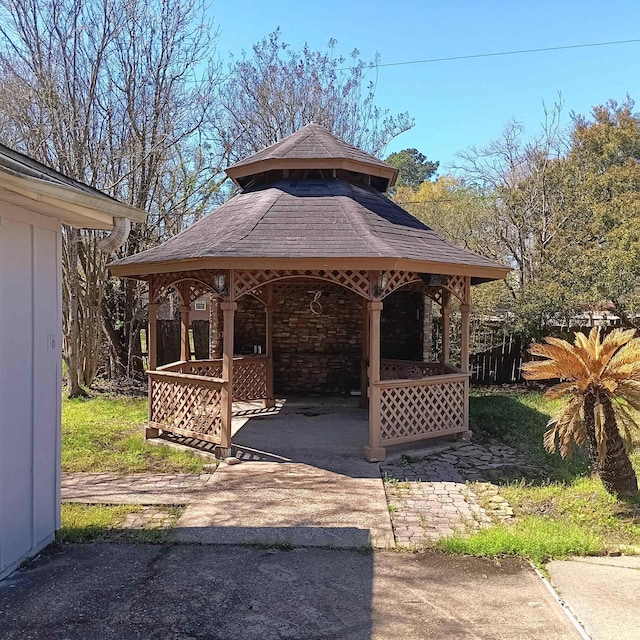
30	382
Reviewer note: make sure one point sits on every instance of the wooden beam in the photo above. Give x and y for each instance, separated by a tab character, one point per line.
374	452
496	272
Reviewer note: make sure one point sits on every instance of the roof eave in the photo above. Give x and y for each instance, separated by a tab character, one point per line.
142	270
269	164
68	204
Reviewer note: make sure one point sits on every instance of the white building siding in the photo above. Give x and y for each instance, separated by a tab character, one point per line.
30	383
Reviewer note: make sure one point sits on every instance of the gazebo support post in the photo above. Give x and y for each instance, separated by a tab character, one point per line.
270	400
228	316
464	354
152	350
374	452
364	378
185	347
446	327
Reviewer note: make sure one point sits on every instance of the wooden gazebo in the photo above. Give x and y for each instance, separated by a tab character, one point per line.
311	210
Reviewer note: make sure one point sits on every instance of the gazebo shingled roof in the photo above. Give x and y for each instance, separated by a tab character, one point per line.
298	218
314	147
311	207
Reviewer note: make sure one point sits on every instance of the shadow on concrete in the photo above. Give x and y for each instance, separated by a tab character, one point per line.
325	432
126	592
279	537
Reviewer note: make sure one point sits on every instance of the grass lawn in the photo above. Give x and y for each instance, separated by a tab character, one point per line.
565	511
96	522
106	433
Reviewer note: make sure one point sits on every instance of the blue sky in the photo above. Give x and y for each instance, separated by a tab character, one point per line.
467	102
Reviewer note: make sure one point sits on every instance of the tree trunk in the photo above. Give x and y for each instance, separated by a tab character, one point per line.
616	472
72	355
590	429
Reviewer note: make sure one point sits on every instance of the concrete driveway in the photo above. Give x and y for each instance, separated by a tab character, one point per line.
302	482
128	592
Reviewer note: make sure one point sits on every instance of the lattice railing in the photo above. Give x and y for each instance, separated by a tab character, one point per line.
250	378
186	404
249	374
419	409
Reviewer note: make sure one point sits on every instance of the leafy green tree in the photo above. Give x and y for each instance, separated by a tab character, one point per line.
413	167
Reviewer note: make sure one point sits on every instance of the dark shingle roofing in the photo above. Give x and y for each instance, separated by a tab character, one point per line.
309	219
24	165
313	145
312	141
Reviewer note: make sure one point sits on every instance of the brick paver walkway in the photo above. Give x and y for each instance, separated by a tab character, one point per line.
141	488
428	498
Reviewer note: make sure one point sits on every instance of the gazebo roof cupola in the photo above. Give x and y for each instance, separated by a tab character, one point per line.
313	152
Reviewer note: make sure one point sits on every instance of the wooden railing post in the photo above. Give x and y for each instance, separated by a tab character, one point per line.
185	347
374	452
270	400
228	313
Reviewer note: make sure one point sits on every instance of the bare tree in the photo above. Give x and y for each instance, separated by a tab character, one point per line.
276	90
104	92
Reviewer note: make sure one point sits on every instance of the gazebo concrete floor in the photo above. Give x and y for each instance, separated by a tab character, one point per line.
302	482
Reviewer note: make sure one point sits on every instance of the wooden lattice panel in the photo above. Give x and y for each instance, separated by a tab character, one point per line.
248	281
250	379
456	285
249	375
416	411
398	279
198	282
209	368
186	407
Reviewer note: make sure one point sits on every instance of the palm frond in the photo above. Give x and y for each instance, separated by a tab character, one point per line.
559	390
627	424
612	344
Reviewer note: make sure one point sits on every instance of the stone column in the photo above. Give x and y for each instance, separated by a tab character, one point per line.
427	329
215	328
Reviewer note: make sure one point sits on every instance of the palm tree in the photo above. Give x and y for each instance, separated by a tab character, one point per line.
602	381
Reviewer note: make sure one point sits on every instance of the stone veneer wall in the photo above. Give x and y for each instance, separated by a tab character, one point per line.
322	353
317	353
401	326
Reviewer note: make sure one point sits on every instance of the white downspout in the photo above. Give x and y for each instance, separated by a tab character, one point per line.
117	237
